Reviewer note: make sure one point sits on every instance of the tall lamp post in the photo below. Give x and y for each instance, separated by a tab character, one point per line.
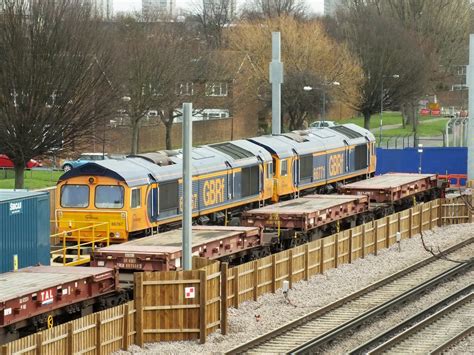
394	76
310	88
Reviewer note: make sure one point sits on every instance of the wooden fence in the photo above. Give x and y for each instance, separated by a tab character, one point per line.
182	305
250	280
99	333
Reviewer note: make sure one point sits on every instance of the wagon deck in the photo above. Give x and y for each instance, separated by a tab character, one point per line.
391	187
163	251
306	213
35	290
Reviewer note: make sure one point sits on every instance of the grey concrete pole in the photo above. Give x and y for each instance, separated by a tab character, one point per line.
187	185
276	79
470	135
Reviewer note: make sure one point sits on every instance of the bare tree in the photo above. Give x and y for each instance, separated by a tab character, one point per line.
52	84
395	67
316	62
435	34
159	67
213	17
259	9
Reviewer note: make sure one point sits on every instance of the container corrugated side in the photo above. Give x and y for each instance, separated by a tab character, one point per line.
24	230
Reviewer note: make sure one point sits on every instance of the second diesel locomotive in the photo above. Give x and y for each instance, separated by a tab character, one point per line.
142	194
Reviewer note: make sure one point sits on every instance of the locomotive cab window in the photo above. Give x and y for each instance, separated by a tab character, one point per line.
109	196
136	198
269	170
283	167
75	196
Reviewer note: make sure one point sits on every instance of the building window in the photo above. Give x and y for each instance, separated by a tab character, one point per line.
185	89
461	70
216	89
136	200
457	87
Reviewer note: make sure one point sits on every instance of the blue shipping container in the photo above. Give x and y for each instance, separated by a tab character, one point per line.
24	229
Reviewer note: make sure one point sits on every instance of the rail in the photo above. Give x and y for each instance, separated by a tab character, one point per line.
79	256
287	339
410	325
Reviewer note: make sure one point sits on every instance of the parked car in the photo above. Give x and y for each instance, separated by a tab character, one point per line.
83	158
5	162
320	124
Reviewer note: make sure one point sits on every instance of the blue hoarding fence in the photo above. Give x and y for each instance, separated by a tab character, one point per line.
434	160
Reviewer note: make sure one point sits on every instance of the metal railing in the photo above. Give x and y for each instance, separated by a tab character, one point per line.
61	243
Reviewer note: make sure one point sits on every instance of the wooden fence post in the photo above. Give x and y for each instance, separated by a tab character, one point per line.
336	247
410	223
70	338
4	350
350	245
290	267
400	223
255	280
139	307
363	241
431	215
126	311
420	227
202	306
224	297
440	212
376	237
321	256
236	287
39	343
98	333
274	272
306	262
387	232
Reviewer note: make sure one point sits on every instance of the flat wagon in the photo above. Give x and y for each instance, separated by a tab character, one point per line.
307	217
35	297
163	252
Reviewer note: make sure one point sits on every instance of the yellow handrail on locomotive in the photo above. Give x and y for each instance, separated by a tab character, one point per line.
79	245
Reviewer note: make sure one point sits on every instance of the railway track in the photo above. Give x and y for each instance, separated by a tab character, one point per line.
433	330
316	329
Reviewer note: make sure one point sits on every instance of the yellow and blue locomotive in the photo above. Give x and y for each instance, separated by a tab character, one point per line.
142	194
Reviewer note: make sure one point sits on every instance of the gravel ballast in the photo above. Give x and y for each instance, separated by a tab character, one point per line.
271	311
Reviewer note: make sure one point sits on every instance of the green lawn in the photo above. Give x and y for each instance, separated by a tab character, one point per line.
425	129
34	179
389	118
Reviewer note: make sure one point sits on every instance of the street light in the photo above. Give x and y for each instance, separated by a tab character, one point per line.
394	76
310	88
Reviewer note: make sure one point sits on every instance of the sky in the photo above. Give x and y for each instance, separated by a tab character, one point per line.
135	5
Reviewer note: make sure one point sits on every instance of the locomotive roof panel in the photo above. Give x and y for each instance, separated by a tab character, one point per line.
38	278
133	171
304	205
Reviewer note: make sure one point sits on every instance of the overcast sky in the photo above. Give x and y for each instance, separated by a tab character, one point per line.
135	5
